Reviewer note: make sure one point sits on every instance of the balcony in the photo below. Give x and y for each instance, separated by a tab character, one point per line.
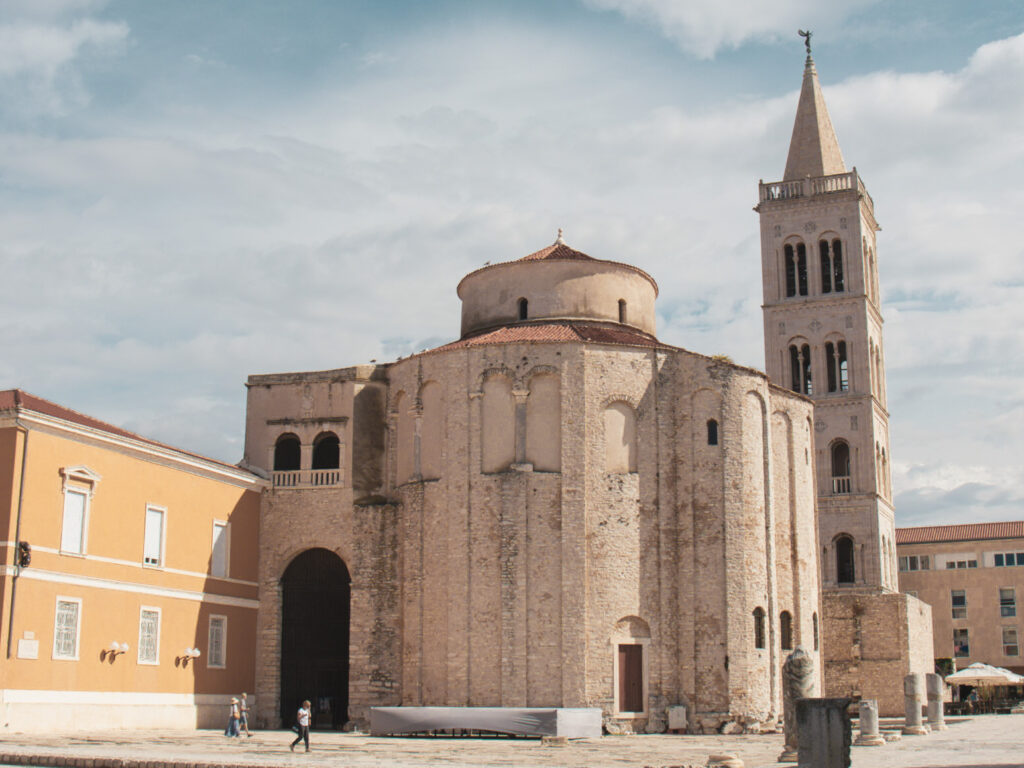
812	187
841	485
307	478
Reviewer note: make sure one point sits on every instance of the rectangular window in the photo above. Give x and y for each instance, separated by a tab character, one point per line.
972	563
961	645
959	601
999	561
149	636
216	650
153	546
917	563
926	563
904	564
65	628
72	535
221	549
1010	646
1007	601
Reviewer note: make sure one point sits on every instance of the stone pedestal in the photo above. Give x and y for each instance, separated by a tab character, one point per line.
934	685
824	733
913	693
869	735
797	683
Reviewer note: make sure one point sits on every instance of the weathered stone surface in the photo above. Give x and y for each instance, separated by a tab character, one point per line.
797	683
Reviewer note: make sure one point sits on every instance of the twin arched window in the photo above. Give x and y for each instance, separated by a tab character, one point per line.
833	279
836	362
288	452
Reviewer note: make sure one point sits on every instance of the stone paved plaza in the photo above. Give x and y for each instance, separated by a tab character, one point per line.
978	742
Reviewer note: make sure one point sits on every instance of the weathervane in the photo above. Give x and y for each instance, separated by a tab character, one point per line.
807	39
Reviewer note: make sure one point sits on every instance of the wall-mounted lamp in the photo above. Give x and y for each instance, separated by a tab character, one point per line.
187	655
114	650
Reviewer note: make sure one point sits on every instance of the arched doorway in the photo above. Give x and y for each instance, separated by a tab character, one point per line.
315	592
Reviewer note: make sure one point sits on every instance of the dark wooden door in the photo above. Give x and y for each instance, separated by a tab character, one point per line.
631	678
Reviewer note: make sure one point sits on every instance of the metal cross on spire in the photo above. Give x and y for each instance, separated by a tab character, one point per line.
807	39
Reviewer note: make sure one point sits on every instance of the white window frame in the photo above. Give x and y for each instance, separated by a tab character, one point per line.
210	661
78	479
159	623
163	535
1016	642
1012	606
227	548
78	628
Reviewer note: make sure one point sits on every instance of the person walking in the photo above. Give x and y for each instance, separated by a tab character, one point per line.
232	729
302	725
243	711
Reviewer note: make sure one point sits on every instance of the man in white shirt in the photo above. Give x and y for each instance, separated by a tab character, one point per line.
302	718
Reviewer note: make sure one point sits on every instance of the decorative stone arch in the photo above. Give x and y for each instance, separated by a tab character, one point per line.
495	370
630	640
540	370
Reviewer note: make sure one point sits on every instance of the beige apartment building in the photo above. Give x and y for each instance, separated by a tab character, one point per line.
973	577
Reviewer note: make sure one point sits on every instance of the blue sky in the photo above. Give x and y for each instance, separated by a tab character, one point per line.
191	192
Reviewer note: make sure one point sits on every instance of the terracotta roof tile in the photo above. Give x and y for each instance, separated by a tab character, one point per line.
12	399
557	251
964	532
553	332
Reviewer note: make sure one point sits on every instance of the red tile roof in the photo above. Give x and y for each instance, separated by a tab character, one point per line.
17	399
557	251
554	332
964	532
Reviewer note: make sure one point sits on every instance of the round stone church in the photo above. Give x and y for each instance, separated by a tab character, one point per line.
554	510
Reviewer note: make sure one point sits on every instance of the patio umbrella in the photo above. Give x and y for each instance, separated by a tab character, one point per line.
980	673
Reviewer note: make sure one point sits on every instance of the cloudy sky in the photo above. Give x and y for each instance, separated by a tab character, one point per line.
195	191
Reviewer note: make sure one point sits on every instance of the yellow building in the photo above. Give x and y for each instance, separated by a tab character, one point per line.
129	584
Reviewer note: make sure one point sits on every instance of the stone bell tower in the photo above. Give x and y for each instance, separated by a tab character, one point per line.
823	339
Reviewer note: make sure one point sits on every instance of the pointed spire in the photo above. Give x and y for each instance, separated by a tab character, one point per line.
814	149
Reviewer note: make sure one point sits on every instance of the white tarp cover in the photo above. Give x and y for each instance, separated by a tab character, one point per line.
522	721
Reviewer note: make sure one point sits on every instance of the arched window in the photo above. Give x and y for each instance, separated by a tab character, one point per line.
287	453
840	467
712	432
622	310
759	627
796	269
814	628
786	630
524	307
800	368
326	451
845	573
838	370
498	436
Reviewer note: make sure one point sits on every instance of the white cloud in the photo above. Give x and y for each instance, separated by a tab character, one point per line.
40	44
703	27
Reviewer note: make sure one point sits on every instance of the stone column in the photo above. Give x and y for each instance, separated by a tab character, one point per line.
869	735
797	683
824	733
913	692
934	685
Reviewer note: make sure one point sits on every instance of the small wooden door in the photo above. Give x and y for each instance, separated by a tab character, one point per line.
631	678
